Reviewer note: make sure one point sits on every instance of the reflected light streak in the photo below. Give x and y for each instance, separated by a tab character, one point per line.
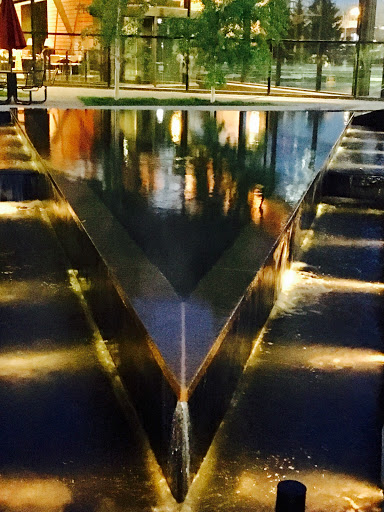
16	366
340	241
321	358
210	178
255	202
324	208
254	128
329	208
12	291
190	186
19	209
341	358
352	285
326	490
176	127
296	276
301	287
160	115
33	494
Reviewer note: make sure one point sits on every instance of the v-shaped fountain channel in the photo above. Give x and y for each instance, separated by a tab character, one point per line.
180	352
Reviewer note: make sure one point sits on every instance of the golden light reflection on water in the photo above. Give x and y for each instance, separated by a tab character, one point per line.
27	365
176	127
252	481
326	490
18	209
323	358
33	495
300	287
12	291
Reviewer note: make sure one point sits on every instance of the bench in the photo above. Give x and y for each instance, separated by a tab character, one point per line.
33	82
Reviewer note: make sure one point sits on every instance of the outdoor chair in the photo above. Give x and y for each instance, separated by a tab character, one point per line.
33	82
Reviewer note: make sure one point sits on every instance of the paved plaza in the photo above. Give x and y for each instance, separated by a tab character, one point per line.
68	97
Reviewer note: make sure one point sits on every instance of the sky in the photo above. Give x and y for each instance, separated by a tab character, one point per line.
345	5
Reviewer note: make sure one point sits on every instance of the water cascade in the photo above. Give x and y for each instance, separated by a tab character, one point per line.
179	453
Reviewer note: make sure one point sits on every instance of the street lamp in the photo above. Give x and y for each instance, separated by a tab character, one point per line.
350	23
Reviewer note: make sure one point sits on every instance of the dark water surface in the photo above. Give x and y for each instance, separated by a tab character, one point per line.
184	184
203	194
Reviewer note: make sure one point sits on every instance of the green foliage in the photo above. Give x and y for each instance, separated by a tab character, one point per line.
297	25
235	34
108	101
180	29
211	41
112	23
324	20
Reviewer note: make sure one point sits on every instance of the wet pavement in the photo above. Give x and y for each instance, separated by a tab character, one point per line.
309	406
310	403
69	97
65	443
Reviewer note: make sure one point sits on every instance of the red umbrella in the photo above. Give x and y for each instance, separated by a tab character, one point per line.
11	35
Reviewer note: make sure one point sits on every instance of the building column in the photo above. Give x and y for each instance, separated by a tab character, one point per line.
366	31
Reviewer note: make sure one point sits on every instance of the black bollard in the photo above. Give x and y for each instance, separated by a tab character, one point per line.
290	496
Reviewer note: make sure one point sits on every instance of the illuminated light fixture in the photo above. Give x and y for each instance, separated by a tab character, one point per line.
159	21
354	12
29	41
48	43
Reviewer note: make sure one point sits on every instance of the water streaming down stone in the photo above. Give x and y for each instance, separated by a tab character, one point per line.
225	319
180	453
206	402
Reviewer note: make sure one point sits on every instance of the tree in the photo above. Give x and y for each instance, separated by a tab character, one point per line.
253	27
297	22
210	39
298	30
237	33
325	22
110	14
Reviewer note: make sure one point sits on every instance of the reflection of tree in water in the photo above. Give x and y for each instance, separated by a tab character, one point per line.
215	178
234	171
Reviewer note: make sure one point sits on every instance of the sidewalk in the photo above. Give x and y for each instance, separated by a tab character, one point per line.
68	97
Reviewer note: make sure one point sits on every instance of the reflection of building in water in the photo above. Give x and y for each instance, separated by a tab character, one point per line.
255	126
187	164
72	137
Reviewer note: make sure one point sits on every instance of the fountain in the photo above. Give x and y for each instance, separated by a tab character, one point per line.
181	380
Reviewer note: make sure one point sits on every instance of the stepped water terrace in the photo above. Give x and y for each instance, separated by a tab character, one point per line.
178	228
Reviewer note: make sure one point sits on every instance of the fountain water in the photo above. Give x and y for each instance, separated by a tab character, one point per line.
179	454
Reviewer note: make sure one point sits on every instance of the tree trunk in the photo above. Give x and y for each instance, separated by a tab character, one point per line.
117	68
117	53
246	47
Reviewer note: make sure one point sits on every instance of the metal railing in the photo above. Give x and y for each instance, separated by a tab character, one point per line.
341	67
